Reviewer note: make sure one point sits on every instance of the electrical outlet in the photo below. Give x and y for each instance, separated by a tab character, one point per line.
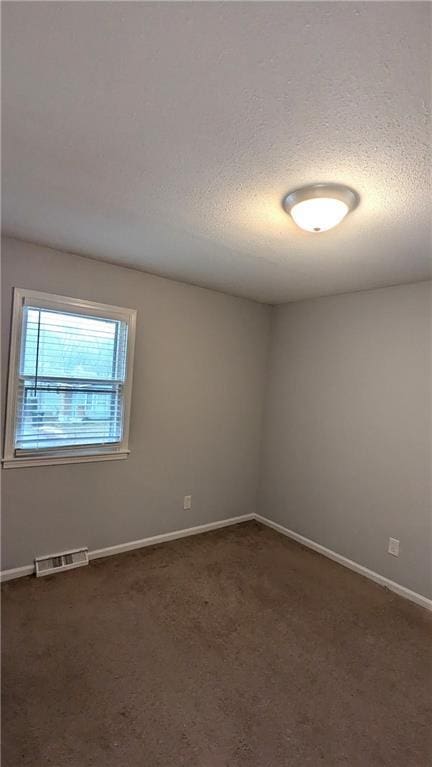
393	547
187	502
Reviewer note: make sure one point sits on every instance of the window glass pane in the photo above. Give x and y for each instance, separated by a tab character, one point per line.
72	346
60	415
65	397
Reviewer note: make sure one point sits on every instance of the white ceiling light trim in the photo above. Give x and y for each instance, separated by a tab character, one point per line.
319	207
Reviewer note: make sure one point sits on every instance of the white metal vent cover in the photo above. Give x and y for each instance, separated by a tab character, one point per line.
65	560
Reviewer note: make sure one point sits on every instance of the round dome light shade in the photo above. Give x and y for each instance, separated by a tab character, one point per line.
319	214
320	207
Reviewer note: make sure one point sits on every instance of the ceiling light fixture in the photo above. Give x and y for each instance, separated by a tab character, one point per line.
319	207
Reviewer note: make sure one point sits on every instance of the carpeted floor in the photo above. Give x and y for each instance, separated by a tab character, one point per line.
237	648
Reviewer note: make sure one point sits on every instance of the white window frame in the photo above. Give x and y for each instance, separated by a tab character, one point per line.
71	454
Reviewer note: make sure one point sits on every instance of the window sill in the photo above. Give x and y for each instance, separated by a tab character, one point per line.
52	460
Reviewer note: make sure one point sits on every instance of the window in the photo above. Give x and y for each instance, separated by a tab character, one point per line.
70	377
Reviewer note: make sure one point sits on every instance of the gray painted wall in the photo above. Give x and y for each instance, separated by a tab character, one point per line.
346	451
196	413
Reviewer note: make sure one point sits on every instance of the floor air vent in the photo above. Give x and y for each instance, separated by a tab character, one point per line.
55	563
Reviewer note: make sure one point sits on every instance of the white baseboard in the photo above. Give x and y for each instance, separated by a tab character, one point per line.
16	572
121	547
19	572
413	596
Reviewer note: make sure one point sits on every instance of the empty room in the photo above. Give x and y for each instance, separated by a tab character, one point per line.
216	318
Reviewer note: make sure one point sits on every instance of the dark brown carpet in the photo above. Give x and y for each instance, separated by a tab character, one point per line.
237	648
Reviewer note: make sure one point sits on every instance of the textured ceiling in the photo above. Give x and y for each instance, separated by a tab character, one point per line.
164	135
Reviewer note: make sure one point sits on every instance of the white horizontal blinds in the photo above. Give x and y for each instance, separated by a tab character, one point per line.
71	380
